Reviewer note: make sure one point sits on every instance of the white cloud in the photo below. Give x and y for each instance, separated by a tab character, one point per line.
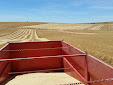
100	4
102	7
105	16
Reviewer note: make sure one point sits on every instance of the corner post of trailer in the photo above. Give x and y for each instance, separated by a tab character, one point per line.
87	77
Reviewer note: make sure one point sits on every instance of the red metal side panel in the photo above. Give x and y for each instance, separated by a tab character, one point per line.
35	53
99	70
37	64
35	45
72	71
4	66
71	49
3	54
4	74
78	63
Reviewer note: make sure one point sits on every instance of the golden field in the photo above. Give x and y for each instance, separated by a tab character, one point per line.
95	38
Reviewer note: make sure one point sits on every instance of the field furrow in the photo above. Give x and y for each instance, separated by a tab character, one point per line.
10	36
21	35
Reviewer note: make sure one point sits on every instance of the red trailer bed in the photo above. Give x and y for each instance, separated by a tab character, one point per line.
52	56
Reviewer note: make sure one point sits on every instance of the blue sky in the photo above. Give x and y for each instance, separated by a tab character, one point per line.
61	11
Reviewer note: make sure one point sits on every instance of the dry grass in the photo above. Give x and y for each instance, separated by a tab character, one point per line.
17	24
72	26
9	27
10	33
99	44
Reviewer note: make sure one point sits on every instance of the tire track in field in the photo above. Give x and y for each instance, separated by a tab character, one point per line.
33	36
26	37
6	36
10	36
16	36
21	35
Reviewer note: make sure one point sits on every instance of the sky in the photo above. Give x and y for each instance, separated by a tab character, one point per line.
60	11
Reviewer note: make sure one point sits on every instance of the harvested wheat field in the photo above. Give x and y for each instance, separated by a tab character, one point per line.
71	26
13	34
95	38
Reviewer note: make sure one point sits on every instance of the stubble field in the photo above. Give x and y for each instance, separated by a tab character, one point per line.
95	38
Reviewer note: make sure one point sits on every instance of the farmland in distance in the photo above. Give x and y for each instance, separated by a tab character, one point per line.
95	38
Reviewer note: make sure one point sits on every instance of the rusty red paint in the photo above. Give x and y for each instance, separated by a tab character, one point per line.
81	66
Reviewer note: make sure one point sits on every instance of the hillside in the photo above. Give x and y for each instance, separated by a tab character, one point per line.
71	26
